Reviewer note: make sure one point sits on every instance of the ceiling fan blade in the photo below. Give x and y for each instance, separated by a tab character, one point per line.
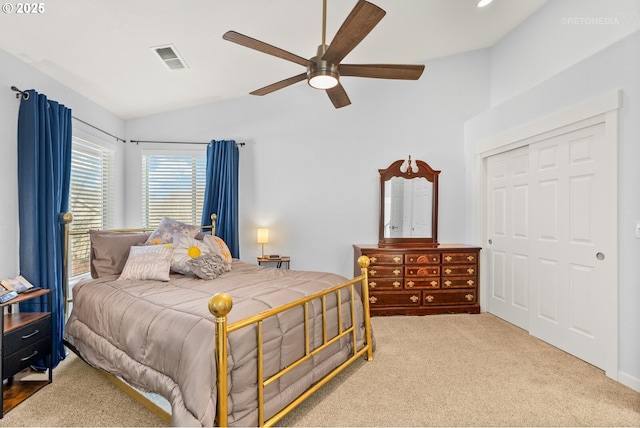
338	96
263	47
279	85
382	71
362	19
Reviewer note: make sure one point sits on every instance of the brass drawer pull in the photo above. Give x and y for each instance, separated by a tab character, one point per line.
414	298
396	284
429	298
372	284
448	258
470	282
397	259
471	271
397	272
372	272
410	284
447	271
434	283
471	258
469	297
26	336
447	283
30	356
373	299
373	259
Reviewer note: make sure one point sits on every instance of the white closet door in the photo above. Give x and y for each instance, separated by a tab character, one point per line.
551	230
508	232
571	205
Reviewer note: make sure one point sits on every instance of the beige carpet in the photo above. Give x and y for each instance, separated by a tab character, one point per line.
443	370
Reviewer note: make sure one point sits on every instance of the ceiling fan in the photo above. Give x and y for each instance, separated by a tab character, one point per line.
324	70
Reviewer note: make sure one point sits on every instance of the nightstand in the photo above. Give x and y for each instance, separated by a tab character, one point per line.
278	260
26	338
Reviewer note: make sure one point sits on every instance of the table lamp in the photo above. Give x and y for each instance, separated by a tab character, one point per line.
263	238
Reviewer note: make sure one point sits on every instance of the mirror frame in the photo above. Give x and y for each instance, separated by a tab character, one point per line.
423	171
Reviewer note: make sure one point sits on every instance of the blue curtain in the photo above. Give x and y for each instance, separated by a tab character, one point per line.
44	174
221	192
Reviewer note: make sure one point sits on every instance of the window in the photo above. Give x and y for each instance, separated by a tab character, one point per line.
91	198
173	186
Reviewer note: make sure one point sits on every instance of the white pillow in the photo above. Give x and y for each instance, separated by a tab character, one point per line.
186	248
148	262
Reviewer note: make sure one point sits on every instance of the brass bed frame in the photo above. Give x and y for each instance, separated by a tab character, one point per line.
221	304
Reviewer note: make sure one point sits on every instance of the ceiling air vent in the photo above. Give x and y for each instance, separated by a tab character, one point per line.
169	55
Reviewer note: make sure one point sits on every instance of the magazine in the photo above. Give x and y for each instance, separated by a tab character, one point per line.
19	284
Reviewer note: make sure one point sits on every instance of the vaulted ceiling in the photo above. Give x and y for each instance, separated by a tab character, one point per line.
103	48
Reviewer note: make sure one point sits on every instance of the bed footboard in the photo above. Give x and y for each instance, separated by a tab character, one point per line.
221	304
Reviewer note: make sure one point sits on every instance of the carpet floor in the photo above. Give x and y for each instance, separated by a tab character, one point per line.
440	370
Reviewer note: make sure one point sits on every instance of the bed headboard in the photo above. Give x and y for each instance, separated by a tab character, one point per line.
67	218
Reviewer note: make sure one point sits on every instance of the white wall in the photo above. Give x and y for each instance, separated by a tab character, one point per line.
309	172
616	67
560	34
14	72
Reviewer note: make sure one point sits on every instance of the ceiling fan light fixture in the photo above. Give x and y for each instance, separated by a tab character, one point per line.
320	73
322	78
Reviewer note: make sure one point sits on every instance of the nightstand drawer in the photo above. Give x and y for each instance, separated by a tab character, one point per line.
25	357
27	335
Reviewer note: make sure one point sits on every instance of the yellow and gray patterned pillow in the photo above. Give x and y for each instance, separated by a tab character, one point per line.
218	246
168	228
207	266
186	248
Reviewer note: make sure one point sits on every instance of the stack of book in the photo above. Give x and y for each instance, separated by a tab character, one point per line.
12	287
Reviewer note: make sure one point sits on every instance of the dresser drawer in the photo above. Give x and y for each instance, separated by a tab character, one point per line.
23	358
422	259
394	298
385	259
465	282
449	297
385	271
459	258
421	271
433	282
382	283
27	335
459	270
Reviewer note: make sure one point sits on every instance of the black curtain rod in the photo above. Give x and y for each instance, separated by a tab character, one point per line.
98	129
25	95
174	142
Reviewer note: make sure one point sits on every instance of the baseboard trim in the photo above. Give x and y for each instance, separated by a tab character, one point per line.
628	380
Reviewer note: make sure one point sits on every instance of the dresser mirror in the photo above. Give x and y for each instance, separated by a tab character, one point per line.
408	204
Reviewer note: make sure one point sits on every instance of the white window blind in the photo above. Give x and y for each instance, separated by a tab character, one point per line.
91	197
173	186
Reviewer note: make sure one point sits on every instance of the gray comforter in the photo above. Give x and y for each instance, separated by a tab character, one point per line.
159	337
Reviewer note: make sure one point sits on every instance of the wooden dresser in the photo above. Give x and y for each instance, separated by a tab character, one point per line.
442	278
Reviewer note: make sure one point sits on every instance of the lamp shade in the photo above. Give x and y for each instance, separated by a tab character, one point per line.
263	236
